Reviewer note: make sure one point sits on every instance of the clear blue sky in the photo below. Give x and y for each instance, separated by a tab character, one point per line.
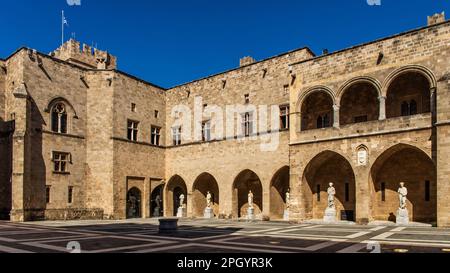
169	42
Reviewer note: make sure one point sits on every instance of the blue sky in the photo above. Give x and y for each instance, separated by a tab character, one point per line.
174	41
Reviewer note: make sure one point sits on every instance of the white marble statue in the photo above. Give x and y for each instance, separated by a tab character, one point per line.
402	194
250	199
288	199
208	200
182	197
331	193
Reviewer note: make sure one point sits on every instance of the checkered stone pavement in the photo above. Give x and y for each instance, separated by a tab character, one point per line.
217	236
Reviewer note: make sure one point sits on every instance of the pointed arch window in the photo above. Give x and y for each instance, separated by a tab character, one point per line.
59	118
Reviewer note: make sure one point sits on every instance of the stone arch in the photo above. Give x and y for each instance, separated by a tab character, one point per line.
364	79
204	183
359	100
408	91
316	108
134	203
413	166
244	182
329	167
174	188
279	186
424	71
56	100
60	121
318	88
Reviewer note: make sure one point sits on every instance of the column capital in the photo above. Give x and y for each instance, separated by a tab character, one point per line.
380	98
336	107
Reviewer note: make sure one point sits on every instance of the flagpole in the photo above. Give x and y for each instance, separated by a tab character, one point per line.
62	27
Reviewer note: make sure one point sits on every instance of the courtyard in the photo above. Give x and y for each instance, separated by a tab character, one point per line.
217	236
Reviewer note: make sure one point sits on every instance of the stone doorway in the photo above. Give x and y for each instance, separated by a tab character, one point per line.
134	209
278	190
330	167
204	183
408	164
157	202
245	182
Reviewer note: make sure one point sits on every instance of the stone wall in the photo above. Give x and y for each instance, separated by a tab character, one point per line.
138	161
266	83
423	53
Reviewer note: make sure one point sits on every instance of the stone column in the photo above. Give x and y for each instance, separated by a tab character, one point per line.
266	199
362	195
20	154
189	204
146	198
382	100
336	122
433	100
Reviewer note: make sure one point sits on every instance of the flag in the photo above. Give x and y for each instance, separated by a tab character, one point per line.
65	22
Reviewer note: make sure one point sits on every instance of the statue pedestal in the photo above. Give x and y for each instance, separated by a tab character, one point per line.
402	217
209	213
251	214
286	215
181	213
330	215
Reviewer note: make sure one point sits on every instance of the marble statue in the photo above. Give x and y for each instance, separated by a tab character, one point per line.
250	199
402	213
182	197
208	200
402	194
331	193
330	213
158	201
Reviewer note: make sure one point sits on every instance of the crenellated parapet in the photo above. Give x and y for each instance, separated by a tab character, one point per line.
85	56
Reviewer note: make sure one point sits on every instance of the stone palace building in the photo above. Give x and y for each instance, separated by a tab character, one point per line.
80	139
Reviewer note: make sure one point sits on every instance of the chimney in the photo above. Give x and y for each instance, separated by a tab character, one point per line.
436	19
247	61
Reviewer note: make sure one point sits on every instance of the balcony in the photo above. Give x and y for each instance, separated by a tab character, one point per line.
392	125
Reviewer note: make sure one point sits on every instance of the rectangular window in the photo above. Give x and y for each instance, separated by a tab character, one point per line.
383	192
70	195
47	194
284	117
427	191
206	131
318	193
347	192
176	136
60	162
156	135
156	114
247	124
132	130
360	119
133	107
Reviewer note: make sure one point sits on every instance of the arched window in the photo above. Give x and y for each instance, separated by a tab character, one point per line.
405	109
59	118
319	122
326	121
413	107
